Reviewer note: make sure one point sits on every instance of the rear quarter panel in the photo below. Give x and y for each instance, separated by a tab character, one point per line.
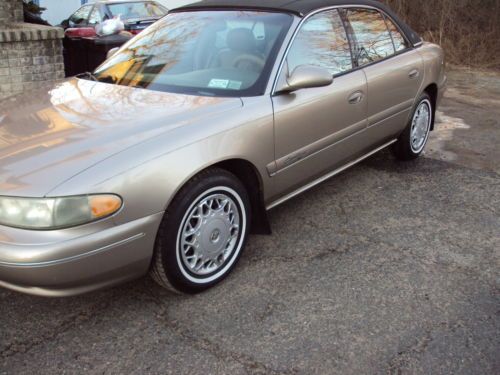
434	68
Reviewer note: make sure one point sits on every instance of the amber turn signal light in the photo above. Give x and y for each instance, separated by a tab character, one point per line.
104	205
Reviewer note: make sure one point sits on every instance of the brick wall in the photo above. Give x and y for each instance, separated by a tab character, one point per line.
29	54
25	65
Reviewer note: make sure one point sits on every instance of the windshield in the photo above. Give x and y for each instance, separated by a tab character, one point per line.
219	53
140	9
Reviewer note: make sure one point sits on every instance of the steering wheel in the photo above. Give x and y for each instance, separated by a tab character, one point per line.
252	59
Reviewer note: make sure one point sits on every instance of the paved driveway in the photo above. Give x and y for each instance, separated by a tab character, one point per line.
388	268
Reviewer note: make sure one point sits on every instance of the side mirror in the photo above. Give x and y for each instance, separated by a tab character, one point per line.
304	77
111	52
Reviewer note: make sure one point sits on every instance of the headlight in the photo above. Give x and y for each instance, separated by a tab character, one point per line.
55	213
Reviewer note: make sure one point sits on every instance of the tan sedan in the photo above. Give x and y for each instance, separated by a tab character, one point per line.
167	156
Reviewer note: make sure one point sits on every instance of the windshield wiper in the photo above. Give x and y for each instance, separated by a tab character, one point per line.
205	93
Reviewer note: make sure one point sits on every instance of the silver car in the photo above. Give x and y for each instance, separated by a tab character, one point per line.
169	155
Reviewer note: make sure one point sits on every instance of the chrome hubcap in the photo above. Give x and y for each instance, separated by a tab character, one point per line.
420	126
210	234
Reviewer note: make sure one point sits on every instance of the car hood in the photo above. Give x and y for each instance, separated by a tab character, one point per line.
48	136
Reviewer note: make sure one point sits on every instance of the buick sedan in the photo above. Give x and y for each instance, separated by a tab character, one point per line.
170	154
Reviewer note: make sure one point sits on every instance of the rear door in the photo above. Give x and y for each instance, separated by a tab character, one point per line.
394	71
310	124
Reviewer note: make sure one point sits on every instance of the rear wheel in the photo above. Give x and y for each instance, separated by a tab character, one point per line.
203	233
412	141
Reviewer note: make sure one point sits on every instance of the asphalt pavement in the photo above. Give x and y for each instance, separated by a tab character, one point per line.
389	268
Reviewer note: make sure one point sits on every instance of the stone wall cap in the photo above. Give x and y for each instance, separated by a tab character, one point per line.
20	32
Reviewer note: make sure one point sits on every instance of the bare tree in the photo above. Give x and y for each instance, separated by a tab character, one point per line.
469	30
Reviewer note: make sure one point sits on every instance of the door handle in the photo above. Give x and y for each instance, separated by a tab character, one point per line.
356	97
414	74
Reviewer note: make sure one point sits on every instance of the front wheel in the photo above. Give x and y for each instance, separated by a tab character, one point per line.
203	233
412	141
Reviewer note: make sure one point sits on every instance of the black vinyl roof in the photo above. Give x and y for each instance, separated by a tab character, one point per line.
300	8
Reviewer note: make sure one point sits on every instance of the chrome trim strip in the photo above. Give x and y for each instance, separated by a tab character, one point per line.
74	257
320	145
390	117
326	177
390	112
271	169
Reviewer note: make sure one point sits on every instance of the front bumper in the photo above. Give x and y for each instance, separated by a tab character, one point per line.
79	260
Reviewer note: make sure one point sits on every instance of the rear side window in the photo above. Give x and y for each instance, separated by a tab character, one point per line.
400	43
373	41
81	15
322	41
95	16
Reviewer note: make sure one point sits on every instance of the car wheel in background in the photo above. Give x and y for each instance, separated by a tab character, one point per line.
412	141
203	233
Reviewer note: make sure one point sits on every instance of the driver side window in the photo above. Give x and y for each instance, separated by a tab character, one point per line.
322	41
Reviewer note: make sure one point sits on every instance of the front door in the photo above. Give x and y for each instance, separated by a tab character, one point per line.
314	127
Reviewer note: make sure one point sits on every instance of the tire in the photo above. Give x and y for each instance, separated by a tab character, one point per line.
203	233
411	143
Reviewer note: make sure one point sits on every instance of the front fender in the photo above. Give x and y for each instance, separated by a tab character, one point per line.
148	178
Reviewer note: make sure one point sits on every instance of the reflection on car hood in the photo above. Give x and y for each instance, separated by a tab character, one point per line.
48	136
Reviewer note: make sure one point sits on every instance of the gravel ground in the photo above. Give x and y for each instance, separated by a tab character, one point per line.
387	268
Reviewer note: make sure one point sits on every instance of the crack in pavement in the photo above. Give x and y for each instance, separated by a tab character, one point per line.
249	364
344	248
269	310
419	347
396	365
23	347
